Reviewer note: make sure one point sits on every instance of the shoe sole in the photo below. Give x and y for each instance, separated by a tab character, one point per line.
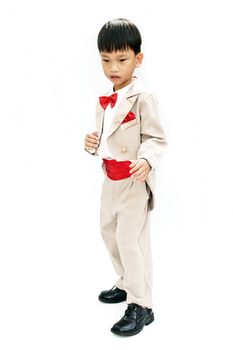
111	301
128	334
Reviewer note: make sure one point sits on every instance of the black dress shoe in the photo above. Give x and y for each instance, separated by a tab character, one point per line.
135	318
112	296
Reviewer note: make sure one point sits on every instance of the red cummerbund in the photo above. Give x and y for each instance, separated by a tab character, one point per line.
117	170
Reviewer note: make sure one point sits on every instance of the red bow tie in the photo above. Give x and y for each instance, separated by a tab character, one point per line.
105	100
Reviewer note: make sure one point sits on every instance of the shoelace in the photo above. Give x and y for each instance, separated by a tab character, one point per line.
130	308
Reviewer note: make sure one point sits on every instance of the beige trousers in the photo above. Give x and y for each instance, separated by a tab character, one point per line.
124	222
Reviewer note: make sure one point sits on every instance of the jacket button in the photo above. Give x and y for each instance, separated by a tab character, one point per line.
124	149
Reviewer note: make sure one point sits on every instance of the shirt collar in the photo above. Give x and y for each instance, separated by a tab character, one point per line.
121	91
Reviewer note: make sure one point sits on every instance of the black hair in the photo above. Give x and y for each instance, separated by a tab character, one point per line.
119	34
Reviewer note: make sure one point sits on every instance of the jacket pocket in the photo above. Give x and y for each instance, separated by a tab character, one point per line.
129	124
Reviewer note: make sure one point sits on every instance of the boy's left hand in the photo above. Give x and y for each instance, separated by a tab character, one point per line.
140	169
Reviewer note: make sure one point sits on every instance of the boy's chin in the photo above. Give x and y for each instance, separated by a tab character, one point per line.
119	84
116	81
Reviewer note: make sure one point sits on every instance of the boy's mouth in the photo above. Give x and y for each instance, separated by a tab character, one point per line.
114	77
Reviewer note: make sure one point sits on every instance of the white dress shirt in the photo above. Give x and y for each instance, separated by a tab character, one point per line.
109	113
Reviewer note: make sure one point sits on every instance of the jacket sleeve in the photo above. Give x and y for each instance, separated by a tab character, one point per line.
153	140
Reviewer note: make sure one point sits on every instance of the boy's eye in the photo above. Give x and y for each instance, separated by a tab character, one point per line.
123	59
105	60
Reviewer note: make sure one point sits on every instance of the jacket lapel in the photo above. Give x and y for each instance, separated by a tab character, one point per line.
123	109
125	106
99	118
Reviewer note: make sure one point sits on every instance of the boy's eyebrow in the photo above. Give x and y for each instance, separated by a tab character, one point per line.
118	54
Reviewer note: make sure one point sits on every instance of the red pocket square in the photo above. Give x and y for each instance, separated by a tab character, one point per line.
130	116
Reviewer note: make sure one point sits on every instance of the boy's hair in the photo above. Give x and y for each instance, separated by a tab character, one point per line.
119	34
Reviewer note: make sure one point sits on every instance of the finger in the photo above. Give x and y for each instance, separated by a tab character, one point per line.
92	136
89	139
136	167
138	172
133	162
138	175
94	142
140	178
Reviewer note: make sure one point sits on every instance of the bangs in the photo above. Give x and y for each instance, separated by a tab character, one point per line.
119	35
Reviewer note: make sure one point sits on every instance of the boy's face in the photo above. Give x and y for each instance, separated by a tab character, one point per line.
119	66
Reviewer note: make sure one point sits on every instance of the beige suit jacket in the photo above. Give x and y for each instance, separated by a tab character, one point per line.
142	137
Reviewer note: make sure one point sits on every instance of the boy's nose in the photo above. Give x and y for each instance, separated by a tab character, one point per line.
114	68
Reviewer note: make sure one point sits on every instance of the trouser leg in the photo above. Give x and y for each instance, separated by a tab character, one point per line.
108	224
124	218
133	241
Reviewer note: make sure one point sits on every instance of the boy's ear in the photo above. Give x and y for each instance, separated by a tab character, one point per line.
139	58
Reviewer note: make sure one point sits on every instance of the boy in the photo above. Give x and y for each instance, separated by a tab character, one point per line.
130	140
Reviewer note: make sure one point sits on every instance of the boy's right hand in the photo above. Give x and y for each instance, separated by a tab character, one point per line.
91	141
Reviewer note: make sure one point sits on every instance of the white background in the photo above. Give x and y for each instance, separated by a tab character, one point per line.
53	263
